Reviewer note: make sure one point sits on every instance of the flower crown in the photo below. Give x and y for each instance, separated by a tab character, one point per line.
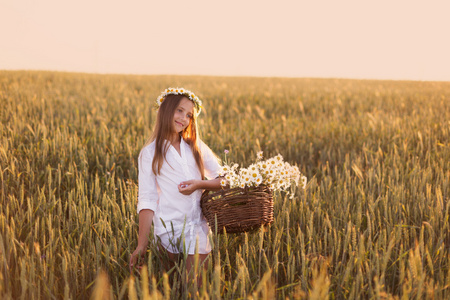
184	92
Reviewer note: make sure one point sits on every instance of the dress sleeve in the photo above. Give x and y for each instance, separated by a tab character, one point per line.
210	161
148	192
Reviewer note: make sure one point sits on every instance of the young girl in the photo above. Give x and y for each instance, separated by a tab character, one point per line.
172	168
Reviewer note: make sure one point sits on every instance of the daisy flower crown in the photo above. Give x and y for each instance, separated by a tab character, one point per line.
181	91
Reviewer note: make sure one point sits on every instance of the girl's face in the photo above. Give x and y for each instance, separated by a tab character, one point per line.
183	115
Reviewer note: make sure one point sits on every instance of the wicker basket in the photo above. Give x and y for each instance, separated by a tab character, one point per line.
238	209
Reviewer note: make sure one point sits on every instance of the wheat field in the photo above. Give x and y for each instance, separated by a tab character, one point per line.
373	222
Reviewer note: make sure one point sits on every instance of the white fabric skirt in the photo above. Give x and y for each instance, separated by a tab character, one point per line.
194	236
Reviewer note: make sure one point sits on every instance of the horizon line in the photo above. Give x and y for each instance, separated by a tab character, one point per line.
222	75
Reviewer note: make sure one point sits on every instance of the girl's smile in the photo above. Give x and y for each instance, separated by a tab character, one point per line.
179	124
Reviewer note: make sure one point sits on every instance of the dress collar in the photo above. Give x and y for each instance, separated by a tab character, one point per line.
179	156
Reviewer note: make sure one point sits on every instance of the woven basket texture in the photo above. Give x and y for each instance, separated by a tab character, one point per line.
239	209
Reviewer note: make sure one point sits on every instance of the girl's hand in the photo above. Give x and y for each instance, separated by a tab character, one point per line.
188	187
137	256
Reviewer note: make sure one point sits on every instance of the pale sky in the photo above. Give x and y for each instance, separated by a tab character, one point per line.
380	39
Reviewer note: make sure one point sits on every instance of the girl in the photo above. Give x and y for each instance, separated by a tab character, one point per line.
172	168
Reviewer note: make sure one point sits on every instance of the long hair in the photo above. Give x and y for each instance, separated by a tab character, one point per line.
163	131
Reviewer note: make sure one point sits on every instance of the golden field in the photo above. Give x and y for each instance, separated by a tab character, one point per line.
373	222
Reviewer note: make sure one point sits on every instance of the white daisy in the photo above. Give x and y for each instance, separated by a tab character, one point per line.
272	162
253	168
259	155
304	179
243	172
254	174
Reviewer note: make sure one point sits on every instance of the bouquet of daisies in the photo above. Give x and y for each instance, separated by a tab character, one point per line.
274	172
246	201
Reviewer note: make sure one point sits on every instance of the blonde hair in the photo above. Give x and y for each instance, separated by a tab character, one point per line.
163	131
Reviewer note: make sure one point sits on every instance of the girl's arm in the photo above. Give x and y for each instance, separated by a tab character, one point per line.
190	186
145	222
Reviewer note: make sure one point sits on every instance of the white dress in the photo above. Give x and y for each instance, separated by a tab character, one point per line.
178	221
